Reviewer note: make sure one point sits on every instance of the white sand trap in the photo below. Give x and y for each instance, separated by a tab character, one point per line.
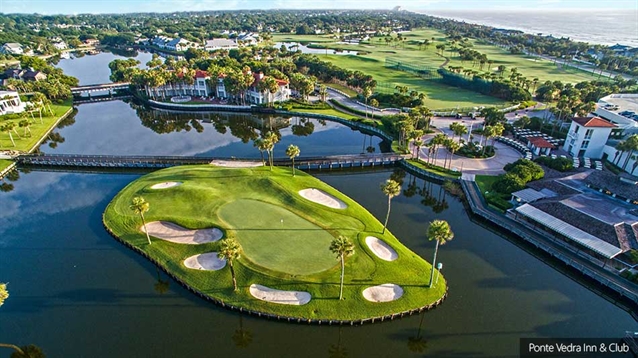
381	249
235	164
323	198
166	184
174	233
282	297
383	293
208	261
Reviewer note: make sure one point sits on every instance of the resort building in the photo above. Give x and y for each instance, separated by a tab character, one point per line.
593	212
587	137
254	96
12	48
178	45
199	87
10	103
220	44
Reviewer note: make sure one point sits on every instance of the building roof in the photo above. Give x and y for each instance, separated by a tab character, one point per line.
594	122
540	142
528	195
201	74
13	45
603	248
220	43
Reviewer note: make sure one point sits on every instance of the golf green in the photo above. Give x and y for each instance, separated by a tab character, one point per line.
284	241
277	239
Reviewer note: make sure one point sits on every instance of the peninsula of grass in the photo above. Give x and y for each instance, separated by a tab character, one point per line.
39	129
285	240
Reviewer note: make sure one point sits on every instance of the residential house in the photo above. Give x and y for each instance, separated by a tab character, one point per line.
178	44
12	48
92	42
219	44
25	75
587	137
247	38
61	45
254	96
10	103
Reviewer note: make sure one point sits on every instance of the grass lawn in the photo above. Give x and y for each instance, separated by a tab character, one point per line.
419	164
4	163
347	90
328	112
439	96
497	201
26	143
250	203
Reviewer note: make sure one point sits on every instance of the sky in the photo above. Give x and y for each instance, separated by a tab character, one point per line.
126	6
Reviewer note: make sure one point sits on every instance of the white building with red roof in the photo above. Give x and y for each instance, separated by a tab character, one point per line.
587	137
254	96
200	86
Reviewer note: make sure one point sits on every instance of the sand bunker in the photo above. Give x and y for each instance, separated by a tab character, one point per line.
166	184
208	261
174	233
323	198
381	249
383	293
235	164
282	297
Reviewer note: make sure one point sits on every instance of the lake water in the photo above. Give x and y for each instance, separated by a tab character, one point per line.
76	292
293	46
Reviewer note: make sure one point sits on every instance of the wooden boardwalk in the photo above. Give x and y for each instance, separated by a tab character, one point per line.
117	161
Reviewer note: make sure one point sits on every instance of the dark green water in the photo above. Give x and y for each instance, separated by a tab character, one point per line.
76	292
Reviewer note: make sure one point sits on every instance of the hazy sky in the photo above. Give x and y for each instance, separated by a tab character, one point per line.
122	6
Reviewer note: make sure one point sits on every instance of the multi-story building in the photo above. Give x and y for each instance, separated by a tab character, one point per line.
587	137
10	103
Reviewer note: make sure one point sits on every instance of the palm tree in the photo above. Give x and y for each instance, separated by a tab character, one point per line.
140	206
342	247
323	92
4	293
260	144
30	351
271	139
390	188
25	124
9	127
374	104
440	231
230	250
292	152
367	92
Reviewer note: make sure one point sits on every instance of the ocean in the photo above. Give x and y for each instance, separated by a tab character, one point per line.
607	27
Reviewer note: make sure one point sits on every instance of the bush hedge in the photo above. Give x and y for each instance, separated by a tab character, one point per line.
560	164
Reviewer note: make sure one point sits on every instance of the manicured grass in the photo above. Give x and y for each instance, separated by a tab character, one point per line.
278	239
225	198
434	169
4	164
485	182
328	112
438	95
26	143
302	38
347	90
497	201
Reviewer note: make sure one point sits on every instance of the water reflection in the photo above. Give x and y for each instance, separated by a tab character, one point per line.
129	128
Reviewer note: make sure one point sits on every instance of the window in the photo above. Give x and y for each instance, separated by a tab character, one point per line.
576	130
589	133
585	145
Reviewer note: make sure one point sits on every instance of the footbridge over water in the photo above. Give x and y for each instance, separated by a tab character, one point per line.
135	162
101	87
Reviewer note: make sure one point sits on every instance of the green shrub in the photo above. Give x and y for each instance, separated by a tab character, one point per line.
535	170
560	164
497	201
508	183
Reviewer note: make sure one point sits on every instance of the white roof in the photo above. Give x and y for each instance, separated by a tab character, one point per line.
591	242
14	45
220	42
528	195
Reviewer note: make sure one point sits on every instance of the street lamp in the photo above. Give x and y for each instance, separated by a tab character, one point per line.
439	266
